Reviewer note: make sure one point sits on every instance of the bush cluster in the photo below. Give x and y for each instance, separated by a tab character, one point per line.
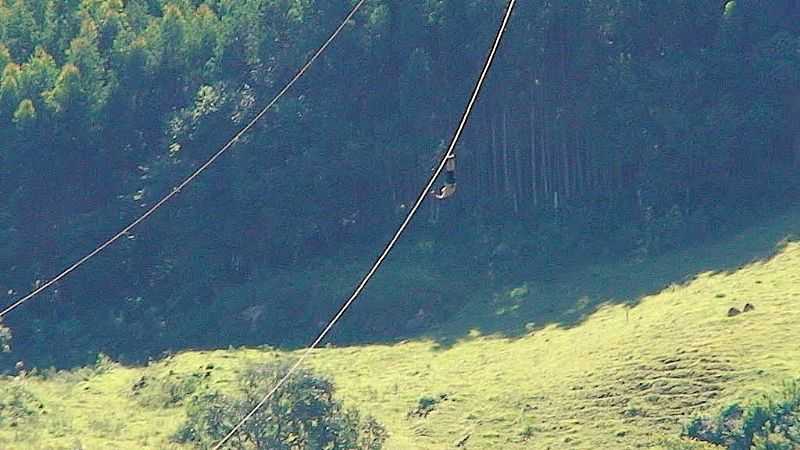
302	415
772	423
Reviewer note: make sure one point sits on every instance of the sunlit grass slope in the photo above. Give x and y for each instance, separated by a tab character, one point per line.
587	373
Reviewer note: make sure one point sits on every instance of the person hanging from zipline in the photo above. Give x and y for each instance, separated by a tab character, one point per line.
449	187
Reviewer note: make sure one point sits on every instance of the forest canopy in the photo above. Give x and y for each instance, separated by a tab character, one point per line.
606	127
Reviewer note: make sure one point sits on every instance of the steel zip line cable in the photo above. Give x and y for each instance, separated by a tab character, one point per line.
420	199
194	175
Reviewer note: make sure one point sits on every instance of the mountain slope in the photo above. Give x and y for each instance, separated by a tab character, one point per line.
595	373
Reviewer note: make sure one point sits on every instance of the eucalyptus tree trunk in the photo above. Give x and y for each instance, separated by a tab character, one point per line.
506	183
389	171
797	150
518	166
476	180
534	175
797	132
546	176
579	170
565	178
495	159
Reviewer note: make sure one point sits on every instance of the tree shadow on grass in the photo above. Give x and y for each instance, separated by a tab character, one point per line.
419	295
567	297
448	300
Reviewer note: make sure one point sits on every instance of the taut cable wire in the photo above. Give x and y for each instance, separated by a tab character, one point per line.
420	198
194	175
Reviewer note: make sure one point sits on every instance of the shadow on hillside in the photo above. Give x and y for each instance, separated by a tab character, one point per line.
417	299
568	297
389	310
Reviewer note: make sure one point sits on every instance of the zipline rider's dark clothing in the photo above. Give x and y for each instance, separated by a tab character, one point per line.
449	187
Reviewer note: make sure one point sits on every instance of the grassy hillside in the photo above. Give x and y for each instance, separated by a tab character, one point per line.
572	359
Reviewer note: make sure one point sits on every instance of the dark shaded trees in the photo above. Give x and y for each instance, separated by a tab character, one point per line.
642	122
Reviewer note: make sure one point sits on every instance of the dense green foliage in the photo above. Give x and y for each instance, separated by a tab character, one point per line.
770	424
607	126
301	416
